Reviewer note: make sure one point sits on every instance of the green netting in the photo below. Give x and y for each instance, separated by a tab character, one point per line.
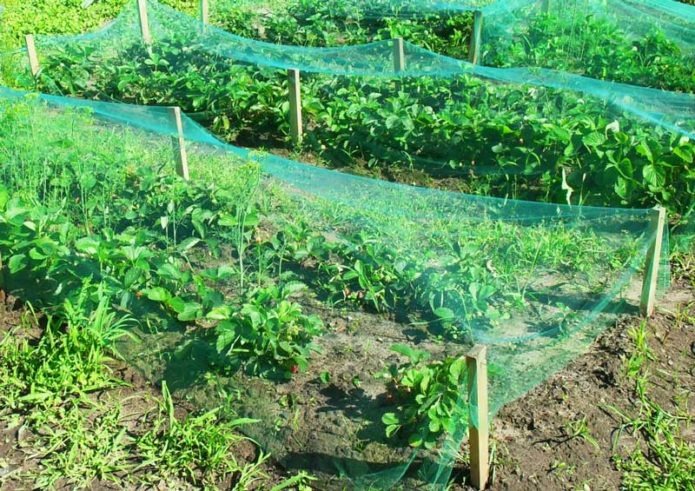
519	133
213	272
641	42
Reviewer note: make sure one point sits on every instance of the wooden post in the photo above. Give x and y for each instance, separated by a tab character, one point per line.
33	57
179	145
476	36
295	94
545	6
478	428
398	55
144	23
651	267
204	12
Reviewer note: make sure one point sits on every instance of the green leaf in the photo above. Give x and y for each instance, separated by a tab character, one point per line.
87	245
390	419
188	244
684	153
415	356
157	294
220	313
17	263
391	429
191	311
36	255
4	197
325	378
594	139
444	313
644	150
415	440
226	335
653	176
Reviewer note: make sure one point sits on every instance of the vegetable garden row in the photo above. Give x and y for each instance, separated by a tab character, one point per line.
282	294
503	139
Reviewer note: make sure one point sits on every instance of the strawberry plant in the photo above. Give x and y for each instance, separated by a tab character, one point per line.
598	48
429	397
269	331
338	23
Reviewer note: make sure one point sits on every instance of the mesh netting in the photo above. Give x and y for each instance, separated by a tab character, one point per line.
649	43
523	133
333	309
639	42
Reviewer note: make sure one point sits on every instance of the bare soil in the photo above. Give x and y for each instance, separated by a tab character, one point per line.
532	444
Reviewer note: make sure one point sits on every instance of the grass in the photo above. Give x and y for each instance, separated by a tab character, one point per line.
61	392
667	459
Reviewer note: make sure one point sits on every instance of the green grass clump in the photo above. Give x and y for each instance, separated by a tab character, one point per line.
198	447
68	362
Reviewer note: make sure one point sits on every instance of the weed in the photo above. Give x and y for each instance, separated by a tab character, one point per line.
580	429
198	448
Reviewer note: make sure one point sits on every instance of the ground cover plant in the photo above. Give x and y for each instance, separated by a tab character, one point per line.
591	45
235	287
20	18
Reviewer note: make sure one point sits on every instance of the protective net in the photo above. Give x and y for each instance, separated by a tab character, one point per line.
333	310
640	42
376	109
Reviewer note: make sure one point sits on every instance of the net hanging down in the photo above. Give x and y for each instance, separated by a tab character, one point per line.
320	304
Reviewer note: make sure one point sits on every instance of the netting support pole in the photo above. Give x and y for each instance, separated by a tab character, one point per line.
295	94
545	6
398	55
204	12
651	267
33	57
144	23
476	37
178	143
478	427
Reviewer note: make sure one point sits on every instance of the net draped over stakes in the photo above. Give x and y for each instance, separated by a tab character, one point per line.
514	289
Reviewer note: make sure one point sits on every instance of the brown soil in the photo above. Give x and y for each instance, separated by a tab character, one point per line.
532	445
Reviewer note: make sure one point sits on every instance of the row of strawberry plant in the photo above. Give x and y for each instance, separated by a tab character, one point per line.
591	45
503	140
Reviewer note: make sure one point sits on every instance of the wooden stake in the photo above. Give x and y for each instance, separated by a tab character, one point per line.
295	94
651	267
33	57
478	429
476	36
205	12
179	145
398	55
144	23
